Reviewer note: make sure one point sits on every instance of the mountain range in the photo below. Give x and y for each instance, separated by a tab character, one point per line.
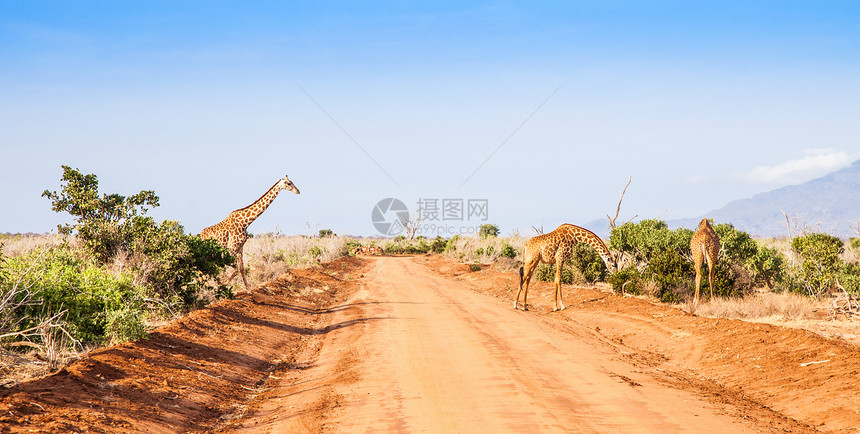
828	204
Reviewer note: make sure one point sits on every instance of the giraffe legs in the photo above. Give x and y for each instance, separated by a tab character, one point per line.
241	269
711	276
526	272
559	305
697	263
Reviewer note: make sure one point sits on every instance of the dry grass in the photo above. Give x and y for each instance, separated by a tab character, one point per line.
484	250
269	256
763	306
18	245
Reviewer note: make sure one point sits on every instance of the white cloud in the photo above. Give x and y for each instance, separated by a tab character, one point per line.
817	162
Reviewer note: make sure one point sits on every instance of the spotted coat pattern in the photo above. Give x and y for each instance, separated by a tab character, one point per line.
232	232
705	245
555	248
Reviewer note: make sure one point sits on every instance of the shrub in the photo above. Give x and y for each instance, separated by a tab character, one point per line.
315	251
849	278
672	273
439	245
326	233
508	251
177	263
172	262
627	280
488	230
738	246
350	246
105	225
644	240
546	273
452	243
767	267
589	264
819	255
93	298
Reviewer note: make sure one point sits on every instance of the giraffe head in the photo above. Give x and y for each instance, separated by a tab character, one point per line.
704	223
286	184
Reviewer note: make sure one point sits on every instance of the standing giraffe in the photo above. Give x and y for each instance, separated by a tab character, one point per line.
556	247
705	244
232	232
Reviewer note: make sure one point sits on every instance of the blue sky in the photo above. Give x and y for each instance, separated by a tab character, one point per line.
209	103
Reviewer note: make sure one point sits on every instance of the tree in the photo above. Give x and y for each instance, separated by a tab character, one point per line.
489	230
618	208
103	224
174	262
819	255
646	239
326	233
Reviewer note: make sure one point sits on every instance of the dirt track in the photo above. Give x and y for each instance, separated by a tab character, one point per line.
421	344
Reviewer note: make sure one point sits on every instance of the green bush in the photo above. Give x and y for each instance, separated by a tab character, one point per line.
589	264
767	267
819	255
627	280
452	243
315	251
402	247
849	278
508	251
672	273
92	297
546	273
105	225
350	246
326	233
439	245
489	230
738	247
174	263
125	324
646	239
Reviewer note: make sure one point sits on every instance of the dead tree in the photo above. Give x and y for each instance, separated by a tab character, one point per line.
413	224
619	259
618	208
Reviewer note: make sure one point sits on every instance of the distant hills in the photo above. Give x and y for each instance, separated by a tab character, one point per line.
828	204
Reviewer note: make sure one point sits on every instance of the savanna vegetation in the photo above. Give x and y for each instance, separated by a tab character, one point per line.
113	271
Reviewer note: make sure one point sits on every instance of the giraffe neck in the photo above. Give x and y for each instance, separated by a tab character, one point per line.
247	215
588	237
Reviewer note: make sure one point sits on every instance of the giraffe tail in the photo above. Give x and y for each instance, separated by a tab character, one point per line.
521	277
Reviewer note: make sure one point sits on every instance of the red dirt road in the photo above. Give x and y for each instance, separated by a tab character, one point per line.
425	355
422	344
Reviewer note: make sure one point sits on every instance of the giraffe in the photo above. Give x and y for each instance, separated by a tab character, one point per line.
705	244
556	247
232	232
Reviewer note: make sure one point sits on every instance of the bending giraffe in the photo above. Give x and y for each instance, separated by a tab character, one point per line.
232	232
705	244
556	247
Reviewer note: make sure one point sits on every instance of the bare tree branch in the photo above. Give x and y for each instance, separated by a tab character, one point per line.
618	208
413	224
